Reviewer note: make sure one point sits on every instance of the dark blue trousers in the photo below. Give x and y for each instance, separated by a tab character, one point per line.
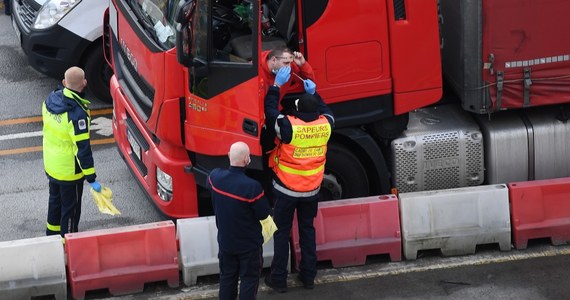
245	267
283	212
8	7
64	208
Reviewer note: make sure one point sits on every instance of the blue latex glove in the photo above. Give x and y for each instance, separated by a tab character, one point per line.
310	86
96	186
283	75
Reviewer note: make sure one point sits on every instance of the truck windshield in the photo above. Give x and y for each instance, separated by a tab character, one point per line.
157	18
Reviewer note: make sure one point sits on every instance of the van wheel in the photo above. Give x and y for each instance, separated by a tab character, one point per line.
98	75
345	177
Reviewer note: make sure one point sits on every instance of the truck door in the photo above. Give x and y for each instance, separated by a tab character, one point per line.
223	96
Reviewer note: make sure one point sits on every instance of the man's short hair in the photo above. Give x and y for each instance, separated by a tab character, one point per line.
278	52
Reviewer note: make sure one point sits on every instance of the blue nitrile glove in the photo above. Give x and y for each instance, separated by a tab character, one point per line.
310	86
96	186
283	75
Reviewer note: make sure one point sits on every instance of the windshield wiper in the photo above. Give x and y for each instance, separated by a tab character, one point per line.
145	22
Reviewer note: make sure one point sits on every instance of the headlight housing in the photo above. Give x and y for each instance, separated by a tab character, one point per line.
52	11
164	185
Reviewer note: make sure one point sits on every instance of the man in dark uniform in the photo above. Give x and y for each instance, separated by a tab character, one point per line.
298	164
68	159
239	205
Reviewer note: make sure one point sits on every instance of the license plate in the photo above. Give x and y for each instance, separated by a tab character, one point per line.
135	147
18	34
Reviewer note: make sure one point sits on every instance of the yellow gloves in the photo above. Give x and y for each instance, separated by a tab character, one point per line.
104	201
268	228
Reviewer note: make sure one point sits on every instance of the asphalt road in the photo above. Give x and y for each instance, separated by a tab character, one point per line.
23	184
540	272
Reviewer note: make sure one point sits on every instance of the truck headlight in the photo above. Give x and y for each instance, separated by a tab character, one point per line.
52	11
163	185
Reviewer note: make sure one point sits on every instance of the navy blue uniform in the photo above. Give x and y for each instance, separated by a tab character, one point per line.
239	204
285	204
67	155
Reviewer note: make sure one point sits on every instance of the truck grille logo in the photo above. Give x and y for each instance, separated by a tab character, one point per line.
442	163
130	57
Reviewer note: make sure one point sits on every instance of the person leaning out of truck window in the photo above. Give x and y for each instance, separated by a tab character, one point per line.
298	164
239	205
68	159
274	60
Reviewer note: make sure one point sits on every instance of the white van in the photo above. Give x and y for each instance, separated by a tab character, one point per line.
58	34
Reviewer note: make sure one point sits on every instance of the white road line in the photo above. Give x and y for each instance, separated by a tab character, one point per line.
100	125
393	268
20	135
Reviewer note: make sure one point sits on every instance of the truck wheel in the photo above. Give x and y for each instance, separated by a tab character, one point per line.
98	74
345	177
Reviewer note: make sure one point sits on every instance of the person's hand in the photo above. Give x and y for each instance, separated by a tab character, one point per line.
282	75
298	58
96	186
310	86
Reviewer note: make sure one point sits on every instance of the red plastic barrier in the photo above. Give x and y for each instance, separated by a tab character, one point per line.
540	209
122	259
349	230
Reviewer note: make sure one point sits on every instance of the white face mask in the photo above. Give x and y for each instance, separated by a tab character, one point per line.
274	71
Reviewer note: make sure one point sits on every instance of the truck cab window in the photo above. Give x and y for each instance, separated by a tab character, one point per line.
216	67
157	18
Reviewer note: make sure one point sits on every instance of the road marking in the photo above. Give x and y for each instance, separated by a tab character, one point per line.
102	126
20	135
392	268
97	112
39	148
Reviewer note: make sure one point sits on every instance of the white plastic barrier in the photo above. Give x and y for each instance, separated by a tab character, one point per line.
198	242
32	267
455	220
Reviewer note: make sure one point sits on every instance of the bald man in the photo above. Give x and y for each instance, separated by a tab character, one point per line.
68	159
239	204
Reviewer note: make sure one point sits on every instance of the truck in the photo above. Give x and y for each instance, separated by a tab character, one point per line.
58	34
426	94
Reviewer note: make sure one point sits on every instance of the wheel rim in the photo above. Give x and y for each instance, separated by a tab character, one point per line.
331	189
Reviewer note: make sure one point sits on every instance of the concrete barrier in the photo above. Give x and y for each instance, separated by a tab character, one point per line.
199	248
540	209
347	231
455	220
122	259
32	268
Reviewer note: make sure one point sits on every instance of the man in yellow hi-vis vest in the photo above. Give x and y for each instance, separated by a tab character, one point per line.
68	159
298	163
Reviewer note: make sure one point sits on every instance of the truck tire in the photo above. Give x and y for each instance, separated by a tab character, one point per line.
345	176
98	74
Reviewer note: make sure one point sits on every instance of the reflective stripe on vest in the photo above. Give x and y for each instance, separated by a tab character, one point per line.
291	193
300	165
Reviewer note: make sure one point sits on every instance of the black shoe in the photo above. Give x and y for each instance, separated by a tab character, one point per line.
309	285
279	289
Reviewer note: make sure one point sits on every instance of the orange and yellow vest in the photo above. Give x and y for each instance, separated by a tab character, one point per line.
300	165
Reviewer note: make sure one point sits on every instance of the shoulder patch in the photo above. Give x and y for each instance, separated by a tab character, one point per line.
82	124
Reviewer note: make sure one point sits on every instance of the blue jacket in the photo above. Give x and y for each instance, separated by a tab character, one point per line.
239	204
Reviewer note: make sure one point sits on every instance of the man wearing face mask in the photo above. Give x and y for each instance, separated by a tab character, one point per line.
276	59
239	205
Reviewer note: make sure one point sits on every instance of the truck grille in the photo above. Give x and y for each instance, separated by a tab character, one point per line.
27	13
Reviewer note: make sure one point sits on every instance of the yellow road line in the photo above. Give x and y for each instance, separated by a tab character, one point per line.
97	112
39	148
